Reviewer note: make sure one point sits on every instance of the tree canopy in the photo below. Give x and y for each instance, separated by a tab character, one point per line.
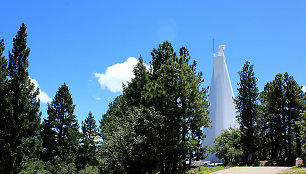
20	115
247	109
154	126
171	92
60	131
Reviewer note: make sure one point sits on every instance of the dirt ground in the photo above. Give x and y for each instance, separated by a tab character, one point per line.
253	170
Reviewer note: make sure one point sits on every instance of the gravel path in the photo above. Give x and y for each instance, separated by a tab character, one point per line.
252	170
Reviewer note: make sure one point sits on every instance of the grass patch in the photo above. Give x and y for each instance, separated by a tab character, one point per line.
206	169
296	171
301	169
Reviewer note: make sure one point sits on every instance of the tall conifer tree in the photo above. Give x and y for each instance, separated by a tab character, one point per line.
158	118
273	100
247	107
88	149
283	101
174	91
130	130
60	130
4	150
135	89
3	77
296	105
22	112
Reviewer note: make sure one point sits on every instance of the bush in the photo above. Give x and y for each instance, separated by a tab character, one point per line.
90	170
33	166
61	167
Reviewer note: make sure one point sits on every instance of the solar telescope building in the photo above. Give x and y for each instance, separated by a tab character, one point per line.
222	107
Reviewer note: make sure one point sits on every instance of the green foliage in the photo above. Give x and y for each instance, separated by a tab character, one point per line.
87	154
227	145
31	166
133	147
90	170
169	100
205	170
4	134
273	100
283	101
60	132
20	116
60	167
302	128
135	90
130	130
154	126
3	76
175	92
247	109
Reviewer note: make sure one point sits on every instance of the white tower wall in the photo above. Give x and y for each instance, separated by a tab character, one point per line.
222	107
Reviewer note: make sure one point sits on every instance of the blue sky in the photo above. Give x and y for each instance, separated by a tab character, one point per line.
85	43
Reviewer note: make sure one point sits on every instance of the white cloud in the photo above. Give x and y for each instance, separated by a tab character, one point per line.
117	74
98	98
44	98
304	88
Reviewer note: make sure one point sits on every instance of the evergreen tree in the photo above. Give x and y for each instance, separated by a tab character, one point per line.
160	56
130	123
247	107
4	149
296	104
273	121
3	79
282	101
169	100
88	148
135	89
60	132
262	132
302	128
174	91
272	99
133	145
20	116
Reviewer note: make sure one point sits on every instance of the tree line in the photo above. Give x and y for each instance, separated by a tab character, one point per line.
272	122
154	126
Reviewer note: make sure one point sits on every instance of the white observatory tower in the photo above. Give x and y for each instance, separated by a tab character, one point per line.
222	107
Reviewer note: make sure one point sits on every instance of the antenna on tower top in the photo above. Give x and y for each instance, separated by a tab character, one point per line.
213	46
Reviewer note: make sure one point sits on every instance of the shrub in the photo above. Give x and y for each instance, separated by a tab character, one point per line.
90	170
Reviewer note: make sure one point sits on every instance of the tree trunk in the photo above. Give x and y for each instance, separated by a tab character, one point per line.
298	142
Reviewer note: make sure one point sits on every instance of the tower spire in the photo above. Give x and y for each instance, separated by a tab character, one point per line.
214	46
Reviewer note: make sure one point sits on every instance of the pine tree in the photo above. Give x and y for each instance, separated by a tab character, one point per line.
158	117
274	103
282	101
3	78
21	126
88	149
130	130
60	132
133	146
174	91
302	128
160	56
296	104
4	150
247	107
136	87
